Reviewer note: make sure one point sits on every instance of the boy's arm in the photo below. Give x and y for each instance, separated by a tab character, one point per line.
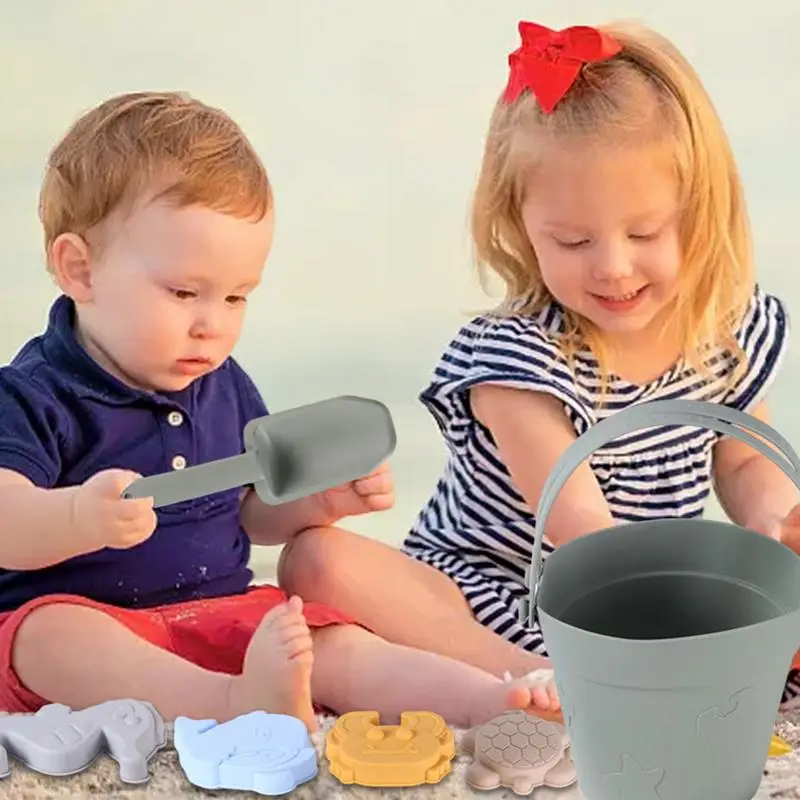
273	525
754	492
36	525
531	432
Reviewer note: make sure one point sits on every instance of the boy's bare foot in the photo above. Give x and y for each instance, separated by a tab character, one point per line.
276	676
535	694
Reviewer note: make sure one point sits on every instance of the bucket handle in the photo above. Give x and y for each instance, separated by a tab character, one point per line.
701	414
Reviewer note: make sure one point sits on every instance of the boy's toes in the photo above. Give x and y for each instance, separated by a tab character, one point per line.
295	604
292	626
298	645
275	615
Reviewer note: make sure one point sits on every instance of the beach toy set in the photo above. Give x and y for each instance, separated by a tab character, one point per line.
670	641
272	754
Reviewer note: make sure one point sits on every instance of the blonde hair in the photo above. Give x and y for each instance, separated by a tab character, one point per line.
648	82
164	143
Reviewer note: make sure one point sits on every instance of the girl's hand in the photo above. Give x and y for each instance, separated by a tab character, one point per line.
790	529
373	492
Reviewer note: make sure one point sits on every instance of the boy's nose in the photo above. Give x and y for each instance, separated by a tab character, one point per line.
208	326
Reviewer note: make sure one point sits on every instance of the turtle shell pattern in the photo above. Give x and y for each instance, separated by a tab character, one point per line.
520	741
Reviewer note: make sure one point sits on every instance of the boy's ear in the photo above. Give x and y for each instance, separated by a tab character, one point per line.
70	261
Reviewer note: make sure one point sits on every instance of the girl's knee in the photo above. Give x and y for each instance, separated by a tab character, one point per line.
342	639
307	560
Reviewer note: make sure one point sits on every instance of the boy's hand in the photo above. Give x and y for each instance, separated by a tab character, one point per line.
101	515
373	492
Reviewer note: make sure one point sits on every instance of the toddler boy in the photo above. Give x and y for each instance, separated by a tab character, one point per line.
158	220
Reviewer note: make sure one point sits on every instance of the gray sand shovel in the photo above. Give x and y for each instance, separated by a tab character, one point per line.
288	455
671	639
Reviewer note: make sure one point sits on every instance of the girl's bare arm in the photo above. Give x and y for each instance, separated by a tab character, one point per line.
532	431
753	492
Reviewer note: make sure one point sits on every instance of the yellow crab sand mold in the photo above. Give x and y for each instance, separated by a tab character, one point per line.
362	751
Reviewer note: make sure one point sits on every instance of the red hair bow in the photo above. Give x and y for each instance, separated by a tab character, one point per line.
548	62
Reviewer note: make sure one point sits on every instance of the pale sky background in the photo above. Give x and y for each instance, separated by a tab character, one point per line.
370	118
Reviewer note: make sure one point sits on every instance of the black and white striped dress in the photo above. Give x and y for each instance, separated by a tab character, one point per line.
477	528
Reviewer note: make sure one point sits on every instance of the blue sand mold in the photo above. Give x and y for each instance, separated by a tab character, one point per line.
266	753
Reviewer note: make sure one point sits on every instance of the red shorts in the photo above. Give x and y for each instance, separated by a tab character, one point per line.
212	633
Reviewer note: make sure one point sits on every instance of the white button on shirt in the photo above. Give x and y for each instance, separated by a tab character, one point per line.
175	418
179	462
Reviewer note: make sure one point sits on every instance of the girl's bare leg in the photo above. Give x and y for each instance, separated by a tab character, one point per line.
403	600
355	670
80	656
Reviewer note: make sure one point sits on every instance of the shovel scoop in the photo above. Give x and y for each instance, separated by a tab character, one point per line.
288	455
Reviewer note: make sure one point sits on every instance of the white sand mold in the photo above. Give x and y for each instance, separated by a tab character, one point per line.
59	741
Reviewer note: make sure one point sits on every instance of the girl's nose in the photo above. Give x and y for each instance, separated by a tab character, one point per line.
611	262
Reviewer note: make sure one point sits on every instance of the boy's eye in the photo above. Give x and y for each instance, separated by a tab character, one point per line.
183	294
236	300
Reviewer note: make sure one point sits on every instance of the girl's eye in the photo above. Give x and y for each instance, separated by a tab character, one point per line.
183	294
236	300
572	245
644	237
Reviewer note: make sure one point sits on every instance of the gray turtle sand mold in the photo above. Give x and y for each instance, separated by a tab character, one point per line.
519	751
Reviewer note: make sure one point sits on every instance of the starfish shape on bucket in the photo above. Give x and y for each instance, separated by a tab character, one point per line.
633	782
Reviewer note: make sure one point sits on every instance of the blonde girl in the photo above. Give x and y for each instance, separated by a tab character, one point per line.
610	207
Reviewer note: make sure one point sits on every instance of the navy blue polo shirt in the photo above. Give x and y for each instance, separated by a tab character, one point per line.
63	418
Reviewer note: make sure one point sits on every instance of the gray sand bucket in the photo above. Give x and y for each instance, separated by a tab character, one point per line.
670	640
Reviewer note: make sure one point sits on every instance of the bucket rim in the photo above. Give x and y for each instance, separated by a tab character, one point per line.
628	530
671	640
